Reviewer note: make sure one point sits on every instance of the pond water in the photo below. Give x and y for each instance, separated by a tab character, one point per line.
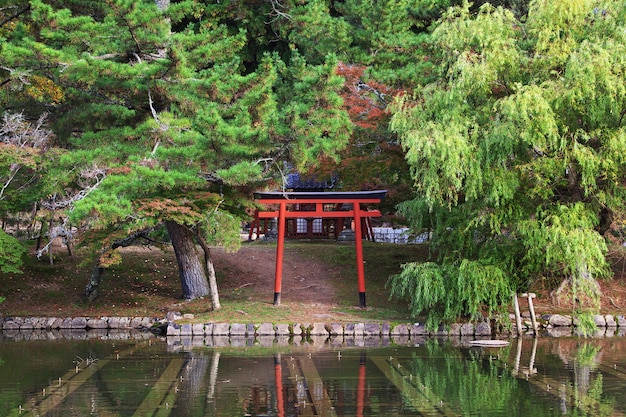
151	377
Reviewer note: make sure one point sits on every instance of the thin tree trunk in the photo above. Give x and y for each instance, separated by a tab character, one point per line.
215	297
33	221
50	233
192	277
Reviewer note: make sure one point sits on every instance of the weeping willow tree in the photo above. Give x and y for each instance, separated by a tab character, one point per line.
518	153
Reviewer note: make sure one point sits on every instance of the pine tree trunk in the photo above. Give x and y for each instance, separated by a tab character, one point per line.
92	290
192	277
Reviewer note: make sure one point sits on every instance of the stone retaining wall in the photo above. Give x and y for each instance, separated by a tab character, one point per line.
171	326
76	323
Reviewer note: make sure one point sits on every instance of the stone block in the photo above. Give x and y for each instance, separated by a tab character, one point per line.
359	329
621	321
96	324
197	329
147	322
599	320
221	329
27	324
282	329
173	329
483	329
136	322
53	323
336	329
385	329
266	329
298	330
238	329
610	321
125	323
371	329
400	330
10	325
66	323
173	316
559	320
39	322
418	329
186	330
319	329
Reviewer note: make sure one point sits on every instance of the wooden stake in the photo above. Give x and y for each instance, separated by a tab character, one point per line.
531	307
518	317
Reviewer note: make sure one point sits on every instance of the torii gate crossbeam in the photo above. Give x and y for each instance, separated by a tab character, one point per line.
320	199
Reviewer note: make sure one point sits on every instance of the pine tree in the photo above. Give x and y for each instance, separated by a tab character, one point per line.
168	116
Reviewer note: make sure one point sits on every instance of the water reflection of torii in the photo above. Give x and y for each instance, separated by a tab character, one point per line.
313	398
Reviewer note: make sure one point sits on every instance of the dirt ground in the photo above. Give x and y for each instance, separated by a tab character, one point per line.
305	279
310	284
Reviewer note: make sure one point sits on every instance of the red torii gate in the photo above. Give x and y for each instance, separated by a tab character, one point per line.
355	198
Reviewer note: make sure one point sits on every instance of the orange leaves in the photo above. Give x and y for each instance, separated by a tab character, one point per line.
110	258
366	101
44	90
180	210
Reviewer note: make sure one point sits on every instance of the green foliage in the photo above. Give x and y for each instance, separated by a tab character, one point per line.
446	293
11	253
517	146
223	228
585	323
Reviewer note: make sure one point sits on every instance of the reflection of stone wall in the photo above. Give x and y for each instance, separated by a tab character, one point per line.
50	328
246	333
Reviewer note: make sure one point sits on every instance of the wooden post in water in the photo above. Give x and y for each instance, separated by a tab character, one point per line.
518	317
531	307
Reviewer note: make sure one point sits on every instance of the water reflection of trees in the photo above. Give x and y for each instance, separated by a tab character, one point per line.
503	379
533	376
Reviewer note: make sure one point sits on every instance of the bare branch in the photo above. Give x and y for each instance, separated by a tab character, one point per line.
90	179
16	130
277	11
